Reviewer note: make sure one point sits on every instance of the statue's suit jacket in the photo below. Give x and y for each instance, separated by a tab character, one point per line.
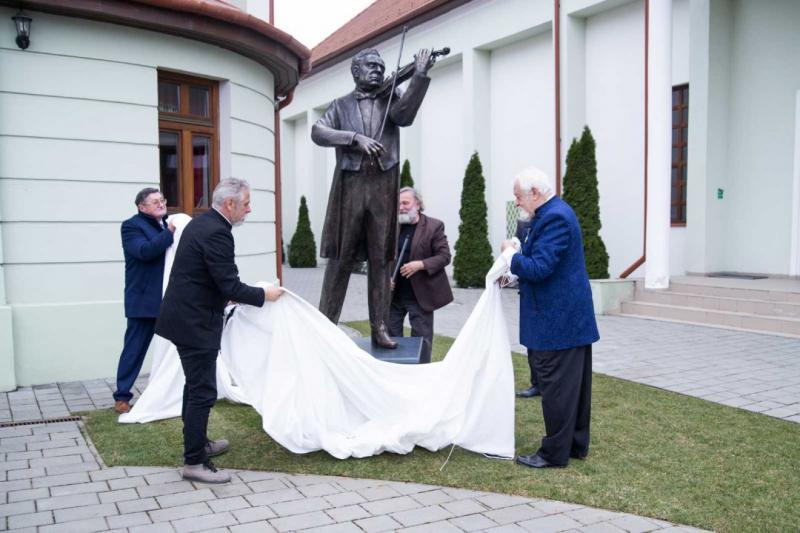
203	279
429	245
339	126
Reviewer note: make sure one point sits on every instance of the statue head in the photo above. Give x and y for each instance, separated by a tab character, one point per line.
367	69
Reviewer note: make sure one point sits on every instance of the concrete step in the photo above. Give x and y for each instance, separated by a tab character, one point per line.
742	293
713	317
719	303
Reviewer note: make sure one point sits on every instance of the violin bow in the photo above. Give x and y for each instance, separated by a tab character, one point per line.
394	83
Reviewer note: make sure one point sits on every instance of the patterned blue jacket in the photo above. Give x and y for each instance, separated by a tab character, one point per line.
555	306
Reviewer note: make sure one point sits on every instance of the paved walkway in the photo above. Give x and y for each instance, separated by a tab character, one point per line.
753	371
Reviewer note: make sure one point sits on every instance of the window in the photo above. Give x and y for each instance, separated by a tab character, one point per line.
680	143
188	140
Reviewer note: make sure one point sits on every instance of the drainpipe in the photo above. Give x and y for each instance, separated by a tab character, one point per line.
557	49
279	104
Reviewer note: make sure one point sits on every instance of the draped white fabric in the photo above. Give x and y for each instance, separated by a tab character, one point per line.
316	390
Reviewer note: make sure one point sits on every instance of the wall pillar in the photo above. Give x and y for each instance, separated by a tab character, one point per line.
659	143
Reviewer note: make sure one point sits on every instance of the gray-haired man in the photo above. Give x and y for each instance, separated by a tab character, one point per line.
203	279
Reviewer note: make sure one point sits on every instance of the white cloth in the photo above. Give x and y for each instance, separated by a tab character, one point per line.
316	390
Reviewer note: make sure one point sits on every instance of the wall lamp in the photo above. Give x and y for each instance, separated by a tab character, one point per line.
23	23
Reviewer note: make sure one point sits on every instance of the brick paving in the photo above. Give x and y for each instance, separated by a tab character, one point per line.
51	480
753	371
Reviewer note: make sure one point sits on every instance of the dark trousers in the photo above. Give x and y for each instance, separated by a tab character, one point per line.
534	381
199	395
421	323
138	335
565	380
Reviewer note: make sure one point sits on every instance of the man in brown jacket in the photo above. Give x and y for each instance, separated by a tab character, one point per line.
422	285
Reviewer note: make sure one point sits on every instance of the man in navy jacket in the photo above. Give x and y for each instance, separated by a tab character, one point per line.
145	239
557	320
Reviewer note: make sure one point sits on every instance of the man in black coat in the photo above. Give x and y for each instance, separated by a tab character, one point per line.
204	278
145	239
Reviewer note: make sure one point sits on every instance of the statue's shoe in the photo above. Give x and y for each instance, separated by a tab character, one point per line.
381	337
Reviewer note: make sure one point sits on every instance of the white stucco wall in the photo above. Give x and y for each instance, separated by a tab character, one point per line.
78	139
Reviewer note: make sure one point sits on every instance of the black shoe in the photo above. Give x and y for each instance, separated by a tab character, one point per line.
535	461
579	456
529	392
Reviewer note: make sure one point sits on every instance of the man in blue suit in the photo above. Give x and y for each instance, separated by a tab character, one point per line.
145	239
557	322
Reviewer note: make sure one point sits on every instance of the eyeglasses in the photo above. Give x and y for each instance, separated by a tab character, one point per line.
158	201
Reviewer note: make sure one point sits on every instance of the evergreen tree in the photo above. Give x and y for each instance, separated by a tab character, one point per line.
580	191
473	252
302	248
405	175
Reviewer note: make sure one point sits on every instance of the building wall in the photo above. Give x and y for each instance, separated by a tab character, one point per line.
78	139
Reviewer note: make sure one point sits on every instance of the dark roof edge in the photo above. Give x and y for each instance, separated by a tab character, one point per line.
216	24
413	18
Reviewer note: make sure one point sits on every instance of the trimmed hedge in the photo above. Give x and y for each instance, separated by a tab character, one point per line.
302	248
473	257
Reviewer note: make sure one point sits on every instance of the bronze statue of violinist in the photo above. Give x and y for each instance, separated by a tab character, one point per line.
361	219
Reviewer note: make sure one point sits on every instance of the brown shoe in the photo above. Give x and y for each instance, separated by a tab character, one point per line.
121	406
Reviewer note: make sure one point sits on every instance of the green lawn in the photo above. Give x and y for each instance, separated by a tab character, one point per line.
653	453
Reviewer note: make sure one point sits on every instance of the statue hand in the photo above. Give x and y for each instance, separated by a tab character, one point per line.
368	146
423	61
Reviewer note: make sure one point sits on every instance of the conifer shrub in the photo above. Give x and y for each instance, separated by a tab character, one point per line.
405	175
302	248
473	257
580	192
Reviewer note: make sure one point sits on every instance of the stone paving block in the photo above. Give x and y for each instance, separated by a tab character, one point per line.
463	507
554	507
556	522
347	513
509	528
182	498
462	494
56	461
70	469
114	496
58	452
161	490
378	493
432	497
515	513
15	431
84	512
305	505
26	473
44	445
335	528
634	524
78	488
30	520
19	464
228	504
475	522
16	456
24	439
253	527
434	527
79	526
302	480
601	527
17	484
301	521
133	506
199	523
24	507
231	489
378	523
180	511
267	485
164	527
411	488
253	514
320	489
27	494
251	475
67	501
391	505
358	484
344	498
107	474
163	477
275	496
423	515
124	482
128	520
498	501
146	470
590	515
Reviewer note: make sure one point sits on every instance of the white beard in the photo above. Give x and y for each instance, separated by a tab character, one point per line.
407	218
523	216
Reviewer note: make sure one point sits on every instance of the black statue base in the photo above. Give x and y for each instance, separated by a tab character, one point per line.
408	350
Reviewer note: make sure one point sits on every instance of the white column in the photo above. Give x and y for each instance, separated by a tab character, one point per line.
794	267
659	143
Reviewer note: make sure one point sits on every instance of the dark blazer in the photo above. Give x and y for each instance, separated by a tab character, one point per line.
144	242
556	310
203	279
429	245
